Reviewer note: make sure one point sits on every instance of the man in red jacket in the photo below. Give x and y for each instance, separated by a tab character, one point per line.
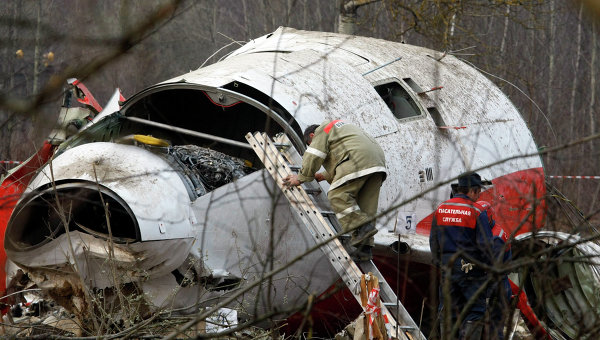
461	242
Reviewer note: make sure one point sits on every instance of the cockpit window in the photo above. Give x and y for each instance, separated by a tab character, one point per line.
398	100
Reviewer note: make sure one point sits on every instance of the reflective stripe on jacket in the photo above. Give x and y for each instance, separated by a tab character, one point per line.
345	151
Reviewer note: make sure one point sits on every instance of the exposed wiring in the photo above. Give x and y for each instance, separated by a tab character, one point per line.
217	51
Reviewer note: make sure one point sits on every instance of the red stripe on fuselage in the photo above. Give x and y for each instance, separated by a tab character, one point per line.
517	200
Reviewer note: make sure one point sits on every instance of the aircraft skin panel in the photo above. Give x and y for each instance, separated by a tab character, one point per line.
133	262
258	226
413	149
287	40
467	99
222	73
290	80
491	122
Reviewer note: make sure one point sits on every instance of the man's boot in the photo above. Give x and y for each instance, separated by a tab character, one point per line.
472	330
363	233
361	253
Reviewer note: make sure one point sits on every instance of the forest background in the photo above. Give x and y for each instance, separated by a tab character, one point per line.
542	53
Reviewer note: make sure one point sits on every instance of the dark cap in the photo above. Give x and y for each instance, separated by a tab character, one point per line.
471	180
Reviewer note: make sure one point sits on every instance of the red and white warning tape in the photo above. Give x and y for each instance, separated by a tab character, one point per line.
371	310
576	177
10	162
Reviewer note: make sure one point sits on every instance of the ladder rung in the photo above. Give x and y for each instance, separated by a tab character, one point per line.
294	168
281	146
327	213
312	191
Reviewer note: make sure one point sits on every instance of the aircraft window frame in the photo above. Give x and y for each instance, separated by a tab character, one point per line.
409	90
411	83
436	115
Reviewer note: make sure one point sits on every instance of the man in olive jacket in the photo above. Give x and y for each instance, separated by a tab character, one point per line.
355	167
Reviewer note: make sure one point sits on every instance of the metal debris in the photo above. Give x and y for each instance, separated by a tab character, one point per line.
209	167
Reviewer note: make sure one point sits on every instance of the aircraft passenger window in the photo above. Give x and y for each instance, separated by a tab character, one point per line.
413	85
437	117
398	100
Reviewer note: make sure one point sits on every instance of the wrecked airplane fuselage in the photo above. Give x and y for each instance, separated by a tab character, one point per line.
166	195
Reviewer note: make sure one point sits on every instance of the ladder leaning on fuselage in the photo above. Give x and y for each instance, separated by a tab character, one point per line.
277	159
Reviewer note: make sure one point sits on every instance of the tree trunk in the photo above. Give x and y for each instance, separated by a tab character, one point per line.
305	16
551	48
593	70
347	20
347	17
573	117
247	33
532	74
36	53
213	26
13	36
9	68
320	16
504	33
575	70
288	11
265	5
452	24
